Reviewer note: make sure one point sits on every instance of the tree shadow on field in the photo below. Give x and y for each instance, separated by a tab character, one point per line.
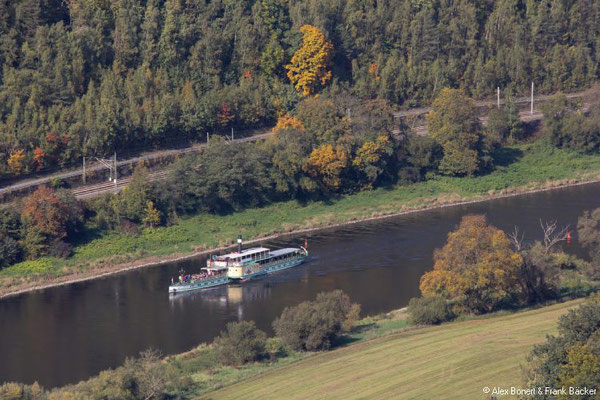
344	341
347	339
506	156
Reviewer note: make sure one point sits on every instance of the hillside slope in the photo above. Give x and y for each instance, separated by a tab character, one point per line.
452	361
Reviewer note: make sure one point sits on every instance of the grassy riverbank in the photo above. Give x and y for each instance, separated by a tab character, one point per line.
452	361
382	357
520	168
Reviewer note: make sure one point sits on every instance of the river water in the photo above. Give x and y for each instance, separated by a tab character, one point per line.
66	334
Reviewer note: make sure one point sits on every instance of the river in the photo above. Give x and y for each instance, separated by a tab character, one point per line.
65	334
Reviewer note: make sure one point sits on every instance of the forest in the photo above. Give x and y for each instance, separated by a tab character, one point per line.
88	77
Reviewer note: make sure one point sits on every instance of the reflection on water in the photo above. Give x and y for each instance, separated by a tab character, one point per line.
226	298
66	334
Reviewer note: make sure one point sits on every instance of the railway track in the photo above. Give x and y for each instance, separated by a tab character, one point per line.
92	190
99	167
525	116
97	189
421	130
415	112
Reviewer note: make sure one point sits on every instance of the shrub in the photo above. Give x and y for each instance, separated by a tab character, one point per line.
240	342
40	266
145	377
430	310
19	391
276	348
315	325
128	227
57	183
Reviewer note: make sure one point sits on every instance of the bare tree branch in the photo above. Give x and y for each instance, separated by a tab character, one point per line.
552	235
517	238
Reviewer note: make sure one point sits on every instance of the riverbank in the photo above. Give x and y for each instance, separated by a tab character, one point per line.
521	169
465	356
383	355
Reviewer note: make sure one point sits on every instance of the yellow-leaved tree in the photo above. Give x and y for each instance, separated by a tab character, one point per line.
288	122
308	70
16	160
583	367
477	267
327	164
371	158
151	215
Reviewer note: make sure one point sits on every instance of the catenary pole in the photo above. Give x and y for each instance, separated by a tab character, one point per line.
498	93
531	112
115	166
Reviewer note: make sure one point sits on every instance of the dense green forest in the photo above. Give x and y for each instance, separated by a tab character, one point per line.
86	77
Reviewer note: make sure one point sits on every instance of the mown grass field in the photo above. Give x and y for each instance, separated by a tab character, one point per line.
452	361
519	168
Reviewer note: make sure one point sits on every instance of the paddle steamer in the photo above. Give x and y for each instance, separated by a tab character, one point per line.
241	266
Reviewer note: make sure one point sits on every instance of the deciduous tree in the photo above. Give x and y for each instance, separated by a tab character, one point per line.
45	211
327	164
288	121
371	159
588	229
477	267
315	325
16	161
309	68
241	342
151	215
454	124
570	358
582	369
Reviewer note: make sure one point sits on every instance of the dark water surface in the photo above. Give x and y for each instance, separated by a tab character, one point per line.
65	334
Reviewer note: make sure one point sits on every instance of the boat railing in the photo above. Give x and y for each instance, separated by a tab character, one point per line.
201	277
295	257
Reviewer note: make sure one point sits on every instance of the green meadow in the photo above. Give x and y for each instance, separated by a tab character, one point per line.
453	361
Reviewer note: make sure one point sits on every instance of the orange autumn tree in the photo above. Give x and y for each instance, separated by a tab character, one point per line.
477	268
308	70
45	211
39	158
288	122
327	164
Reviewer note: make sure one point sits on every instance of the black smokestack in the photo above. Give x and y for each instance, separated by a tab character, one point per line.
239	243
